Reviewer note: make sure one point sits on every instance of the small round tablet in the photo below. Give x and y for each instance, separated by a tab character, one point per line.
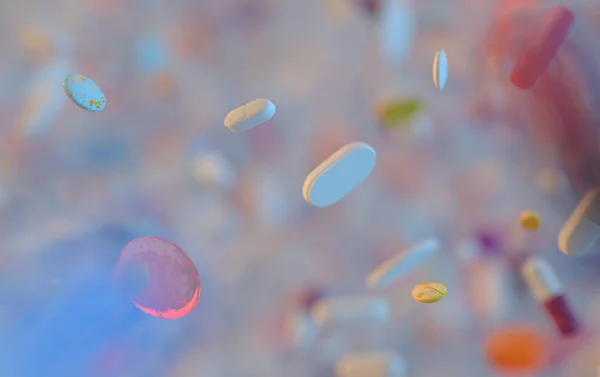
429	292
84	93
250	115
529	220
339	174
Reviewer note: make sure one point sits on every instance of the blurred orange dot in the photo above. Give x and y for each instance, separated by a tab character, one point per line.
518	348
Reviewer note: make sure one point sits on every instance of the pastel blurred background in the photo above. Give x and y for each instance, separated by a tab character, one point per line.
77	186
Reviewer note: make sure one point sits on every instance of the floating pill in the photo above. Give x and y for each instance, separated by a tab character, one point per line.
377	364
402	264
429	292
440	69
250	115
529	220
544	285
397	30
580	233
516	349
534	62
395	113
340	310
84	93
335	177
158	277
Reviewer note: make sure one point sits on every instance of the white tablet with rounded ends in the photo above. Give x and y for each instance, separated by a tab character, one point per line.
335	177
250	115
581	231
440	69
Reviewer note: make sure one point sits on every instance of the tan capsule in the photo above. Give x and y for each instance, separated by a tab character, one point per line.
429	292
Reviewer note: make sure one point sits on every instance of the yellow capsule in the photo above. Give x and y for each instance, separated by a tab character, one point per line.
429	292
529	220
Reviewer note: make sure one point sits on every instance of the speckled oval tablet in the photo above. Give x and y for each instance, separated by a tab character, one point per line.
84	93
430	292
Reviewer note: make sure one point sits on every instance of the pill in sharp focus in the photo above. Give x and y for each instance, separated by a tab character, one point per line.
342	310
250	115
84	93
337	176
534	62
429	292
546	288
402	264
581	232
440	69
377	364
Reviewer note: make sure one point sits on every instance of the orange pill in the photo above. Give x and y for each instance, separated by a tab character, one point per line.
516	349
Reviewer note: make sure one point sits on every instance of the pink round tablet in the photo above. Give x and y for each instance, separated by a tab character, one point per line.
164	279
534	61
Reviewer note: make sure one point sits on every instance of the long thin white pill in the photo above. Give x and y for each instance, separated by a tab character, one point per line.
402	264
353	309
581	231
440	69
380	364
250	115
339	174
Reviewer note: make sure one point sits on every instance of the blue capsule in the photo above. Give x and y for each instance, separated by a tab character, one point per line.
84	93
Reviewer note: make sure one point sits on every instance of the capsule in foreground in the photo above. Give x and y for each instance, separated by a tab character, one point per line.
341	310
546	288
402	264
580	233
378	364
440	69
341	173
250	115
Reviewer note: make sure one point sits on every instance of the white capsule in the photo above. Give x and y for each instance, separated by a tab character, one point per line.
581	231
541	279
339	174
250	115
402	264
380	364
440	69
350	309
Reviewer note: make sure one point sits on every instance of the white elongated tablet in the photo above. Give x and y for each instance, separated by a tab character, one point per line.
335	177
340	310
581	231
376	364
250	115
402	264
440	69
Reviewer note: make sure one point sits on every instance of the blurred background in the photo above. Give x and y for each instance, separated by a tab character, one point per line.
77	186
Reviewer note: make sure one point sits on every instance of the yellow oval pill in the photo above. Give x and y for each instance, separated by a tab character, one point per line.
429	292
529	220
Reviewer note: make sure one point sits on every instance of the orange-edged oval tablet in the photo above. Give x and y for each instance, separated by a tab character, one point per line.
516	348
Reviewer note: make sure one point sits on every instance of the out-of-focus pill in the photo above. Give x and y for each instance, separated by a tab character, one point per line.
397	30
581	231
250	115
547	289
395	113
402	264
335	177
342	310
518	349
429	292
529	220
440	69
84	93
379	364
534	62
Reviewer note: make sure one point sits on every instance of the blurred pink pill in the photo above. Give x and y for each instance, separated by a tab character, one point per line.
534	61
159	277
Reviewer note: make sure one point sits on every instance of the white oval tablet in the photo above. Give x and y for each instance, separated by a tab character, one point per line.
250	115
335	177
402	264
581	231
440	69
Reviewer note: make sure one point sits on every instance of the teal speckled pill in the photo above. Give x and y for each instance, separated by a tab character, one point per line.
84	93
